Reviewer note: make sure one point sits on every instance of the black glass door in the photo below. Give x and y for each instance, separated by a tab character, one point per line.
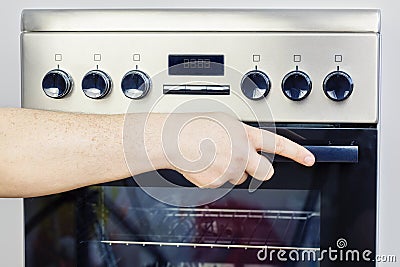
319	216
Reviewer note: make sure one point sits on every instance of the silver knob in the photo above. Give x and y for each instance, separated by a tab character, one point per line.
135	84
57	83
96	84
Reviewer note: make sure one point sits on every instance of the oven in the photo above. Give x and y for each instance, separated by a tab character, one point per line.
287	71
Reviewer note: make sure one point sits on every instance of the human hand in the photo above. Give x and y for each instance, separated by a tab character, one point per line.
210	149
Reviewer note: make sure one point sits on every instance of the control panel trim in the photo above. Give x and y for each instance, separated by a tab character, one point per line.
202	20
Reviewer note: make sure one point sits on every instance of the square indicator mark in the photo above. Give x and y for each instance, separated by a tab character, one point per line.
297	58
256	58
97	57
58	57
338	58
136	57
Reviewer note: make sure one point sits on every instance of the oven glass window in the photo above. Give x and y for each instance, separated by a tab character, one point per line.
240	229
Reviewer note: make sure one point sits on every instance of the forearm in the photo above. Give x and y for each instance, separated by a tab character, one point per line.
49	152
45	152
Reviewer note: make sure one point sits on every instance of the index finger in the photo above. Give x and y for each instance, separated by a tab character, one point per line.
270	142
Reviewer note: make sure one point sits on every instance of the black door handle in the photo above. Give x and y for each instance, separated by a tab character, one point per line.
338	154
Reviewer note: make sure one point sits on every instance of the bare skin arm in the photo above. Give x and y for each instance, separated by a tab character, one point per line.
45	152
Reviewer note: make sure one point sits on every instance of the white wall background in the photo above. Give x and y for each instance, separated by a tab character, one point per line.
11	235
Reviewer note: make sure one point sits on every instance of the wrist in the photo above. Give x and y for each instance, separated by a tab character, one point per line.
153	140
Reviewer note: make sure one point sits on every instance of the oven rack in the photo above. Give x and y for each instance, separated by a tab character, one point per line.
194	245
221	228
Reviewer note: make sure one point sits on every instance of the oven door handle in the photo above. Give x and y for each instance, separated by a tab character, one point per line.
333	154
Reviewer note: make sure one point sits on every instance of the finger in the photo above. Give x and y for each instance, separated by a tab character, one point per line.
273	143
294	151
259	167
240	181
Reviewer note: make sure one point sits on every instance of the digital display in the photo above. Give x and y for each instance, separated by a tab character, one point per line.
196	65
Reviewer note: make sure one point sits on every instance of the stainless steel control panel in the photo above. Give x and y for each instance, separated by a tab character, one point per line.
310	72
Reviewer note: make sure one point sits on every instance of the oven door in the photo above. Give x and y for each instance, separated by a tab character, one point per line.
319	216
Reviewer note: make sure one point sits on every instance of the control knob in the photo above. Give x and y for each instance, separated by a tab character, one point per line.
57	83
255	85
96	84
338	85
136	84
296	85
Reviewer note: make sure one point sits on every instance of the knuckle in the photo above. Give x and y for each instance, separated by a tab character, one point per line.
236	176
257	138
217	183
243	179
252	166
270	173
239	158
231	174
